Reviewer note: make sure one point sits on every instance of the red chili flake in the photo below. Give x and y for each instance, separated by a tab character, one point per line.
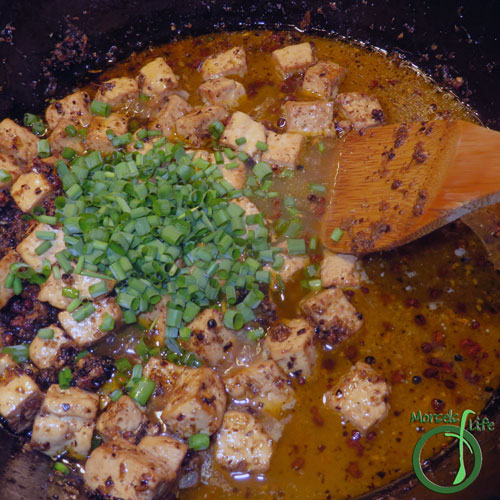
438	405
440	364
397	376
439	337
298	463
365	290
353	470
420	320
475	325
471	348
472	378
426	347
321	448
315	258
351	353
316	417
371	435
349	293
356	445
412	302
328	364
450	384
388	326
431	372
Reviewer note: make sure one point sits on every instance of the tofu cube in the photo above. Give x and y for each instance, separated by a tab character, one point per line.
283	149
291	345
26	249
193	127
46	353
8	167
51	290
210	340
309	117
30	190
249	207
338	269
236	176
323	79
195	404
146	477
231	62
157	78
17	142
122	419
294	57
262	385
361	110
243	126
59	139
332	314
222	91
167	450
291	263
11	257
118	92
88	331
172	110
242	445
361	397
65	422
96	136
164	374
20	397
74	107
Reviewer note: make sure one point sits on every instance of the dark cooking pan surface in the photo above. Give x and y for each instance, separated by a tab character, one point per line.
48	46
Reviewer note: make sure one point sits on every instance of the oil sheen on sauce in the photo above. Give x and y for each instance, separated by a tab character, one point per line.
429	308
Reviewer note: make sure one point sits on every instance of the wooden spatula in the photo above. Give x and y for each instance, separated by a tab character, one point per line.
396	183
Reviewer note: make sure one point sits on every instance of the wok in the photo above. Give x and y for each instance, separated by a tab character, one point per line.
47	46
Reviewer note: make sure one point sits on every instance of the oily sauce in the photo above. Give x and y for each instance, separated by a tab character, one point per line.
429	308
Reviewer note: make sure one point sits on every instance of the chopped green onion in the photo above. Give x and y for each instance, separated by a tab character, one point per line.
73	305
5	176
240	141
43	247
116	395
83	312
216	129
98	289
233	319
256	334
45	235
296	246
100	108
199	441
123	365
336	234
65	377
19	353
62	468
81	355
142	391
262	170
319	188
43	148
261	145
70	130
46	333
321	147
70	293
108	323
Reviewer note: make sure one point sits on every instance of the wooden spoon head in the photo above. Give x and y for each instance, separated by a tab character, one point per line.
385	181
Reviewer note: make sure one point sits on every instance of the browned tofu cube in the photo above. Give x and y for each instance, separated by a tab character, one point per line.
291	345
323	79
30	190
231	62
74	107
172	110
361	110
59	139
193	127
9	171
309	117
361	397
11	257
332	314
157	78
97	138
17	142
210	340
26	249
222	91
294	57
118	92
243	126
283	149
20	397
46	353
164	374
242	444
339	270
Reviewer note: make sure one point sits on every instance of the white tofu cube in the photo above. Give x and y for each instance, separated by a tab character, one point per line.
59	139
74	107
361	110
88	331
45	353
323	79
361	397
243	126
9	168
210	340
291	345
309	117
17	142
26	249
283	149
339	270
172	110
242	445
195	404
236	176
20	397
66	421
157	78
164	374
96	136
167	450
222	91
193	127
332	314
118	92
231	62
30	190
294	57
11	257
